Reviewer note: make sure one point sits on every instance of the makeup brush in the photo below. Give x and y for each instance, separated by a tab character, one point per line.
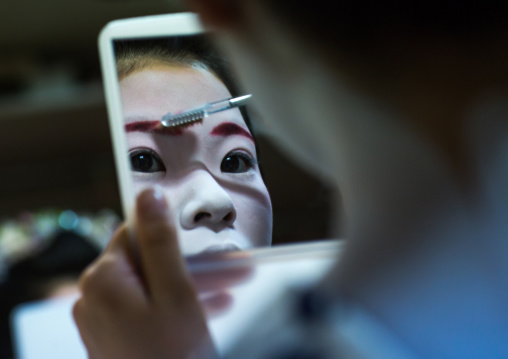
191	116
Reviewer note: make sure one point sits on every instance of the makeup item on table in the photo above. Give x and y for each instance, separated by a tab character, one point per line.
190	116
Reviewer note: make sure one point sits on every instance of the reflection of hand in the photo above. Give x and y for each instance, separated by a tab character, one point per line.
146	312
213	284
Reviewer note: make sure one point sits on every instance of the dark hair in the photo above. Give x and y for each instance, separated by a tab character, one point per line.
195	50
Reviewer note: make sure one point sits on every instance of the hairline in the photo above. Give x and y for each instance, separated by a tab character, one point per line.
132	65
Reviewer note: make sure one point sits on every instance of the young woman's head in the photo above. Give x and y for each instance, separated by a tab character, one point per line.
208	171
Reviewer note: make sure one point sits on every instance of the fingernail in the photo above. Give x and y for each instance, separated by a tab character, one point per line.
152	203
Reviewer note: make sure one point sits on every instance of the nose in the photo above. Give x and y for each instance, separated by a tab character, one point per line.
207	204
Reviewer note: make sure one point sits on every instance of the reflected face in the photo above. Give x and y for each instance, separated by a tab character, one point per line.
208	171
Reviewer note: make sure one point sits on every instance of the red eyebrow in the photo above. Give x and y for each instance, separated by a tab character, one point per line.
230	129
152	127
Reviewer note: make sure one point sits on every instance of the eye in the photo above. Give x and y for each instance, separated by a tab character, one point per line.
237	162
145	160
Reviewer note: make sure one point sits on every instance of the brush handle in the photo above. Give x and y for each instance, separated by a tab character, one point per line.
223	105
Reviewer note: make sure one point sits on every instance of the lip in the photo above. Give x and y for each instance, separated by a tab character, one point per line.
220	248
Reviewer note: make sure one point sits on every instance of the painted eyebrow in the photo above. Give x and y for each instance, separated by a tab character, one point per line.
152	127
230	129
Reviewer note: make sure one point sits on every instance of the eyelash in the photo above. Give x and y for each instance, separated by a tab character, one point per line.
151	156
248	160
152	163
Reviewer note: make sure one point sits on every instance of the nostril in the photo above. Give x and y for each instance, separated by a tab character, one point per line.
228	217
204	216
200	216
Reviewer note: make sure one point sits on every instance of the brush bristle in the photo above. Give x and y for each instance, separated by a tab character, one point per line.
185	123
179	125
183	119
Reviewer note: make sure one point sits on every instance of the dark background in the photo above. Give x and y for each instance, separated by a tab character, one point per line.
55	148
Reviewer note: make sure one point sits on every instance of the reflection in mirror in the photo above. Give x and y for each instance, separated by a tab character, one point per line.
208	170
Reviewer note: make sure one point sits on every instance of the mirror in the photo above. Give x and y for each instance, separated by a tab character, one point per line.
208	169
215	172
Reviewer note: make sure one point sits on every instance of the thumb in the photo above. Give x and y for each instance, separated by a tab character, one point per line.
164	269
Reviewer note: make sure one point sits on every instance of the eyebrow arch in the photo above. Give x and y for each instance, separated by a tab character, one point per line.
230	129
152	127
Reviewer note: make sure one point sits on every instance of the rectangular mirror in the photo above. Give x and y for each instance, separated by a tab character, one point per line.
216	172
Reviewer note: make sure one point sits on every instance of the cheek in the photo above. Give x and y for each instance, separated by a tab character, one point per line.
254	216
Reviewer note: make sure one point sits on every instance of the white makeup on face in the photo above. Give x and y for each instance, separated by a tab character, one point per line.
208	171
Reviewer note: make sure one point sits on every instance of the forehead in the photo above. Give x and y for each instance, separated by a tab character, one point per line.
159	89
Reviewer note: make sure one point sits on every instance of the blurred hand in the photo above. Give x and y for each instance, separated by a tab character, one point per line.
213	284
145	306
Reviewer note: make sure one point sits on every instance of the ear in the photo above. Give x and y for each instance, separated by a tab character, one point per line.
218	14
